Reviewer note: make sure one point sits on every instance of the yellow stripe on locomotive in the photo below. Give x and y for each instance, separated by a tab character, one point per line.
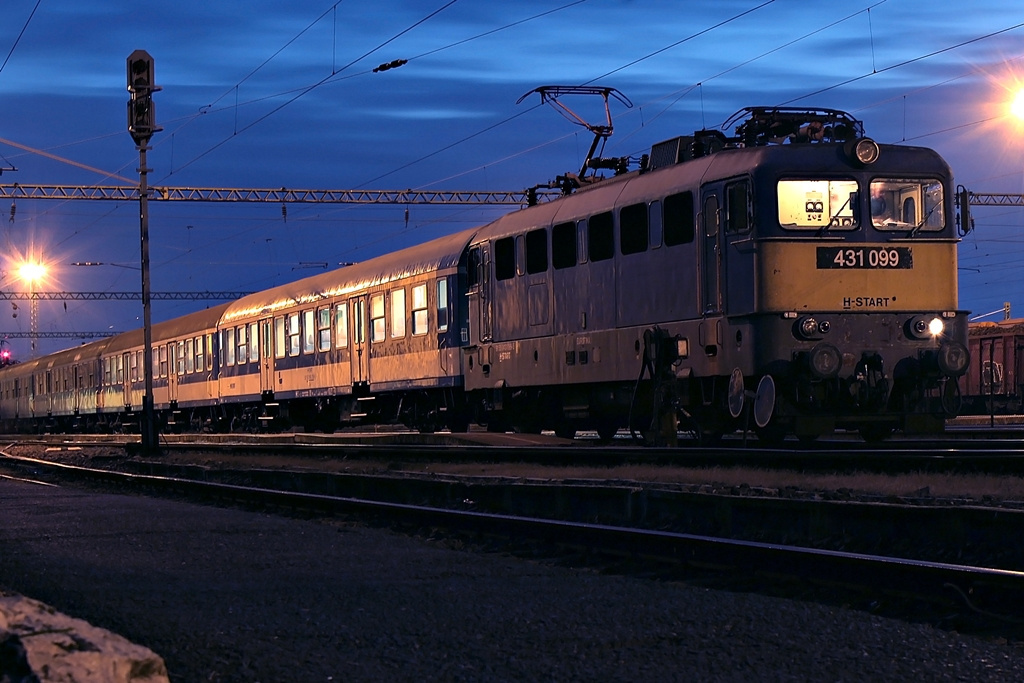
860	277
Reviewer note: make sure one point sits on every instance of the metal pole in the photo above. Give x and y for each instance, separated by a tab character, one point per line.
148	425
33	317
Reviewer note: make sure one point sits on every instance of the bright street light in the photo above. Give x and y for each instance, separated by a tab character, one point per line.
32	273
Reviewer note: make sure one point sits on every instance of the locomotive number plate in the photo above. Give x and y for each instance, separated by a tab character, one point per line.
865	257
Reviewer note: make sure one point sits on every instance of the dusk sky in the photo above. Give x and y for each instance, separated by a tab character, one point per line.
267	94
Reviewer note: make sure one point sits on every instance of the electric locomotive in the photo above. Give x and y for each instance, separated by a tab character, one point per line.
794	278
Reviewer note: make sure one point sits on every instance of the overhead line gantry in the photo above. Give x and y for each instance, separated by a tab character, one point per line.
120	296
280	195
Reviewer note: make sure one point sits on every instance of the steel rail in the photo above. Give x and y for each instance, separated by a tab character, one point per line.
988	591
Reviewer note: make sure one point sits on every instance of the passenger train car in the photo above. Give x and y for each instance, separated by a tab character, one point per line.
792	278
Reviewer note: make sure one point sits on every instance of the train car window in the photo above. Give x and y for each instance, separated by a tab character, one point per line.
582	244
341	325
323	325
737	207
200	351
442	304
163	361
294	333
106	372
600	236
633	229
279	337
520	255
308	331
473	268
120	369
227	340
242	347
398	313
190	356
817	204
504	258
678	219
254	342
537	251
359	320
419	309
654	224
907	205
377	318
563	245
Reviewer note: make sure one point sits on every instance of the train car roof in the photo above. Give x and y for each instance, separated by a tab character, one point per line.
186	325
991	328
438	254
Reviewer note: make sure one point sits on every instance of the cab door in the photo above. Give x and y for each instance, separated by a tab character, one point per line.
711	266
712	304
360	343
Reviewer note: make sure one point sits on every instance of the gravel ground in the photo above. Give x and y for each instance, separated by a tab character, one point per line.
230	595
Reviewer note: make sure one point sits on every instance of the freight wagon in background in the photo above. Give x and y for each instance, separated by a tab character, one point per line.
994	377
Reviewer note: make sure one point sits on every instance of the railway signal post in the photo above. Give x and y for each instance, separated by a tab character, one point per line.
141	126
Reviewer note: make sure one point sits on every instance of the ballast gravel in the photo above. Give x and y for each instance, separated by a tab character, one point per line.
232	595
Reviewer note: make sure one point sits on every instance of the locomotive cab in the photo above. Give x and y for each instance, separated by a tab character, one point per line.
844	275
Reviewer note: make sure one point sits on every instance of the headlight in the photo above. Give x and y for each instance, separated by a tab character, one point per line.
925	326
864	151
808	327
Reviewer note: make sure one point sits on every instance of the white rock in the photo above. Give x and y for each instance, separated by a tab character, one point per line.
62	649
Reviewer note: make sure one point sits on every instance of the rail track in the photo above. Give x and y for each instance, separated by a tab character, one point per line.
994	454
863	553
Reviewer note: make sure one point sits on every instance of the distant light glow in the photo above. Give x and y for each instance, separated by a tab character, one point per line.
31	272
1017	106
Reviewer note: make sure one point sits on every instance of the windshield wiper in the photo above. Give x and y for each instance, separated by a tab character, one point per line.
913	231
835	216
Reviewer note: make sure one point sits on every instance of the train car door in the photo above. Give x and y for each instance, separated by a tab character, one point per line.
125	373
360	346
266	357
172	372
711	285
76	395
479	283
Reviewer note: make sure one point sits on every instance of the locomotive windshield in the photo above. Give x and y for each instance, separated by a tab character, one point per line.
817	204
906	205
